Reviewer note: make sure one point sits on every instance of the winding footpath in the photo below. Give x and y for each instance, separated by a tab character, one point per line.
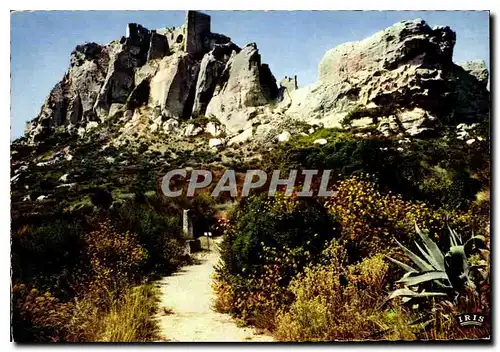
186	312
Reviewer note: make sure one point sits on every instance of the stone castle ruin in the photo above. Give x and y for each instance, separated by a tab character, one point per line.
400	80
195	36
287	86
177	72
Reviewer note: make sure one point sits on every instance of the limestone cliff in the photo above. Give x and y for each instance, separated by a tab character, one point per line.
175	72
399	81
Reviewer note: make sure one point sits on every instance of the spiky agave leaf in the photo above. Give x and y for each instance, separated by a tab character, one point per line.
422	264
455	238
432	261
418	279
406	292
432	248
450	273
474	244
405	267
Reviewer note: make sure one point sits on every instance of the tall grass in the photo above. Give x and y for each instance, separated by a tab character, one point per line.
130	318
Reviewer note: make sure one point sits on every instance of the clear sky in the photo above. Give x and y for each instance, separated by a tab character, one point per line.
291	42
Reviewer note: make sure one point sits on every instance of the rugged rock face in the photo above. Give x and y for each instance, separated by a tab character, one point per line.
171	87
245	85
400	80
402	74
211	69
72	100
175	72
478	70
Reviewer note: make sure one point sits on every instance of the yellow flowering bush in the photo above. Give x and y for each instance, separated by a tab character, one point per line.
338	301
115	258
371	219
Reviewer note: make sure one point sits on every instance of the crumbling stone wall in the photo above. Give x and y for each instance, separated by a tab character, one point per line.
197	25
158	46
287	85
176	37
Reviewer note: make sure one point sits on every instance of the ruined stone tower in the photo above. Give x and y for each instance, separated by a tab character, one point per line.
197	26
289	83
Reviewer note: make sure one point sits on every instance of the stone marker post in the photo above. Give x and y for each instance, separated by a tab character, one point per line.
187	225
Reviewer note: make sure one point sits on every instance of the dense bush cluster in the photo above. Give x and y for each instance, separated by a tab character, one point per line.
267	242
281	272
73	279
371	220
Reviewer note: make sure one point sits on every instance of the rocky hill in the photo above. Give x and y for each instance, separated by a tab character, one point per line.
176	97
401	79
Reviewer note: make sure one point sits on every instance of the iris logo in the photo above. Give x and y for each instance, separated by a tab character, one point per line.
474	319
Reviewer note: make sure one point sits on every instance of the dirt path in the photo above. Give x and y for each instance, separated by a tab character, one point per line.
188	296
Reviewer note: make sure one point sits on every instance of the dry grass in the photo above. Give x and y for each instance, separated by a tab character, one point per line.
130	318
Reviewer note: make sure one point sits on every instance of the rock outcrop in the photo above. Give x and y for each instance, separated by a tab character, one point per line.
211	68
402	74
244	85
400	80
477	69
155	68
72	100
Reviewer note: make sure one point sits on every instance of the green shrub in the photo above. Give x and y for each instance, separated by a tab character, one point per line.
267	242
159	232
277	222
46	254
438	171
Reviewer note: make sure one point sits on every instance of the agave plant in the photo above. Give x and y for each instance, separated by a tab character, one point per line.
437	273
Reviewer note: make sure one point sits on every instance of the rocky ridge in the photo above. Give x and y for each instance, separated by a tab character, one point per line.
399	81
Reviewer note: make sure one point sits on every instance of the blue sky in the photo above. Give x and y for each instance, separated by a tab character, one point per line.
291	42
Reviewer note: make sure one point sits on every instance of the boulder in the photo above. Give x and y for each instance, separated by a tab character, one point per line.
192	130
284	136
214	129
320	141
241	137
170	125
214	142
64	178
